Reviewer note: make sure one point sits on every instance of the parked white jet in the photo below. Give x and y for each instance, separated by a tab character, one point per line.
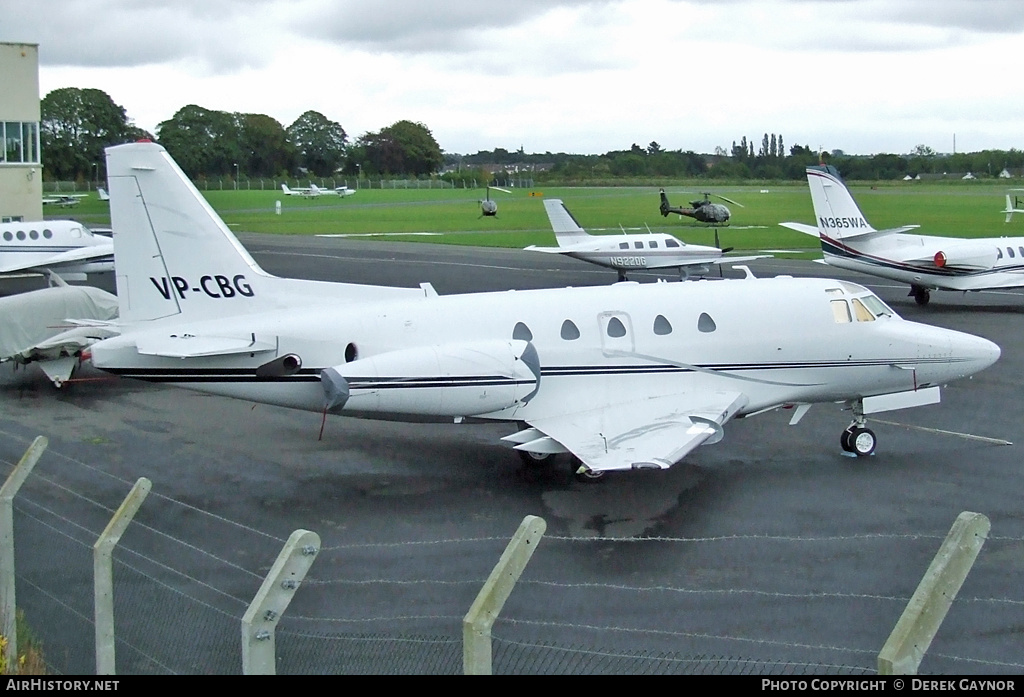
65	247
925	262
625	376
314	190
628	252
1013	205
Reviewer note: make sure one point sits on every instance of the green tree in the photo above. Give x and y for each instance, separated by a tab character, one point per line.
264	144
403	147
319	143
77	124
203	142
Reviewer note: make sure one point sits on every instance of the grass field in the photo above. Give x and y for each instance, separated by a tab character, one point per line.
959	209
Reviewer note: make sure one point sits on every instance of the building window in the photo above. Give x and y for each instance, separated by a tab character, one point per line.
21	142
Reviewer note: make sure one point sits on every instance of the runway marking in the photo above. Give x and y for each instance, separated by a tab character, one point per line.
969	436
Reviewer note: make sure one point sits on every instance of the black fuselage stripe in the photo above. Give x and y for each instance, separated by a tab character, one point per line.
313	374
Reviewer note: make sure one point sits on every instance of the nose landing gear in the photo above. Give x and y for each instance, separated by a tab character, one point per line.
858	438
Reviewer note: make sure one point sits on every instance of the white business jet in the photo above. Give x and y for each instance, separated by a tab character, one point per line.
65	247
925	262
313	190
629	252
626	376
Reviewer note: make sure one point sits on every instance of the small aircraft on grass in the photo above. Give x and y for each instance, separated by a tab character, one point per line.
313	190
925	262
64	200
623	377
1014	204
63	246
630	251
703	210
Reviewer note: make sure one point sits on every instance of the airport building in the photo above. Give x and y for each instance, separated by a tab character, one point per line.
21	175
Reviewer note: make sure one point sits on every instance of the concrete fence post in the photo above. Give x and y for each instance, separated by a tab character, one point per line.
8	603
923	615
260	621
103	574
476	625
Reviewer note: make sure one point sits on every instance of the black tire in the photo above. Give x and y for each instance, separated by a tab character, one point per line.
921	295
845	438
862	441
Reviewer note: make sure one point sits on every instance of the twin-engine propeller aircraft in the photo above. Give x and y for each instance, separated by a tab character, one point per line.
926	263
65	247
629	252
34	326
702	210
626	376
314	190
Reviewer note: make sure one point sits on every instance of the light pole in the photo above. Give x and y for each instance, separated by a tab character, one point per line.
236	176
96	172
359	173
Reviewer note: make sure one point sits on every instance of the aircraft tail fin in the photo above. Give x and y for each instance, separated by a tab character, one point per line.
567	230
1010	210
173	255
838	215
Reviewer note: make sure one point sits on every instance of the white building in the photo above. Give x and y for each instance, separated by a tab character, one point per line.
21	176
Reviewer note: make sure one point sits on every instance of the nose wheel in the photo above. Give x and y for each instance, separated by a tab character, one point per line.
858	438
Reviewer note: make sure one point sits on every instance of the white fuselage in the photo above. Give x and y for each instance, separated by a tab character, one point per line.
985	263
44	243
776	340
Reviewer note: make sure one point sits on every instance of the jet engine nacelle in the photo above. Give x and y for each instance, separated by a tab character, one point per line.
976	257
448	380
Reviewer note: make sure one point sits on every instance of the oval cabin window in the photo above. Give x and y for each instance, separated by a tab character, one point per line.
705	323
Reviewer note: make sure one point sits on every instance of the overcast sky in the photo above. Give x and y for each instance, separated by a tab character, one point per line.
579	76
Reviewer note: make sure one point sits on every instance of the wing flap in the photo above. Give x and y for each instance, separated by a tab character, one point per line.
186	345
645	433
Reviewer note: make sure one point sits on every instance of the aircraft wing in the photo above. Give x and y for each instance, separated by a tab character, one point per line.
642	433
69	257
185	345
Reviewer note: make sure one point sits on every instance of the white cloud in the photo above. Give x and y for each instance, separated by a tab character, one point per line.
585	76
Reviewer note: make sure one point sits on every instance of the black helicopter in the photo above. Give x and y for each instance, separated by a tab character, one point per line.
703	210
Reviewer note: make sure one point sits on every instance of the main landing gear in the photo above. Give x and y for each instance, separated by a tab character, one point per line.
920	294
579	472
858	438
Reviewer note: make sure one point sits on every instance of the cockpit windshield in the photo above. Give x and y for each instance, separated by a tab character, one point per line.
851	302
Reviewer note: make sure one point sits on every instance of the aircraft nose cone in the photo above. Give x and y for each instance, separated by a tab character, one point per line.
977	352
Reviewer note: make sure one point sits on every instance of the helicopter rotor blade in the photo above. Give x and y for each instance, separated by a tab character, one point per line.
729	200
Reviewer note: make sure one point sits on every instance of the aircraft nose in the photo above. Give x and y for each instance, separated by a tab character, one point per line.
976	352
